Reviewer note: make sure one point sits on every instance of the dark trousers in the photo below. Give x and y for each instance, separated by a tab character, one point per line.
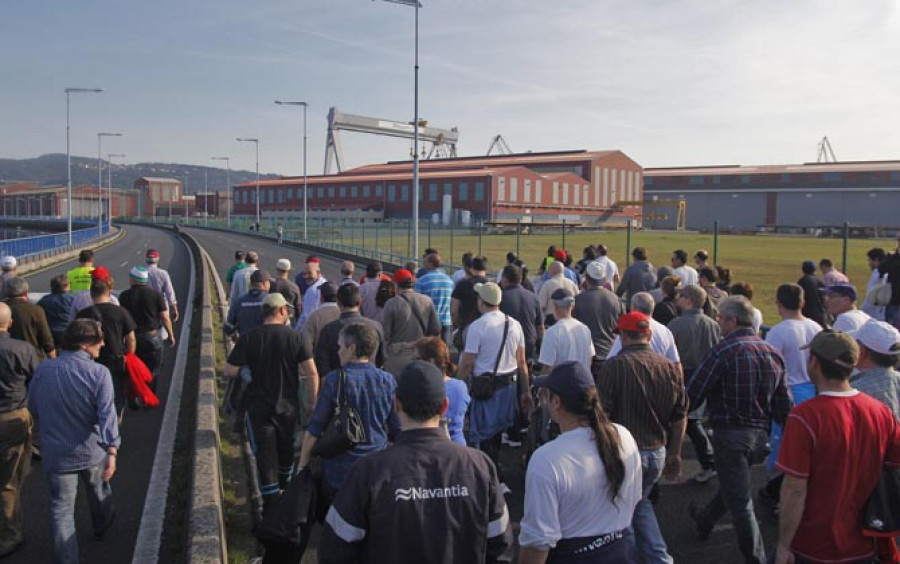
149	349
702	445
491	447
734	450
271	437
15	461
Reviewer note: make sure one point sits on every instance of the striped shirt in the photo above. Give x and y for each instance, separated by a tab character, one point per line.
745	381
159	280
439	287
881	383
71	398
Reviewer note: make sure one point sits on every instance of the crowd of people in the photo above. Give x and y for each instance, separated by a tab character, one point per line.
65	382
620	367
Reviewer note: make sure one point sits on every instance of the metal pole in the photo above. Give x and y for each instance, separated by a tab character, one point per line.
518	232
416	148
69	172
452	229
716	242
257	183
480	230
844	252
564	234
628	243
305	203
391	231
228	187
99	187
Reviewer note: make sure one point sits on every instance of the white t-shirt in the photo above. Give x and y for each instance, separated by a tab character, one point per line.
757	320
688	275
483	341
567	339
661	342
850	321
458	275
567	491
787	337
612	269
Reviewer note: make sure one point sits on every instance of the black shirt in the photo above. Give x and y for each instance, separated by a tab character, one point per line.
291	293
18	361
599	309
524	307
326	353
116	323
468	299
814	305
273	353
145	306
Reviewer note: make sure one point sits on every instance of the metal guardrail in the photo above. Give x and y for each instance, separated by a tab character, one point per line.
26	247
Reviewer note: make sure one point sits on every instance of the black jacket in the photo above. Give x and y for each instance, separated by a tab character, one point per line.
326	353
424	500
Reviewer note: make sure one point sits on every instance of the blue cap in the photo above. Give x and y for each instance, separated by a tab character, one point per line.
569	380
420	382
846	290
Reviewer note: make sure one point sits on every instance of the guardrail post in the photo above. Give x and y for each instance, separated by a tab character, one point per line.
715	242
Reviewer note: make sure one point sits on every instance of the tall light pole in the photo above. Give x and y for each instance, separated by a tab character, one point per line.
415	211
183	197
69	154
255	142
109	159
227	183
100	136
305	204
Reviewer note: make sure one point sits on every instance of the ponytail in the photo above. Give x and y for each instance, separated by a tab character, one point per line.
609	444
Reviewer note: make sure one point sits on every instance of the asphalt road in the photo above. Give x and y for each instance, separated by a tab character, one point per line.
677	527
140	430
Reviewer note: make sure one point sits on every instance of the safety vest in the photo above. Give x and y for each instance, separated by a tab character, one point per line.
80	278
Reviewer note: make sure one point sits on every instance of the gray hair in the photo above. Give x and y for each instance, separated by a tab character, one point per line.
15	287
643	302
5	315
738	308
695	294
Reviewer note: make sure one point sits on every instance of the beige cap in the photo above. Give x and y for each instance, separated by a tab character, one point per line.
489	292
283	264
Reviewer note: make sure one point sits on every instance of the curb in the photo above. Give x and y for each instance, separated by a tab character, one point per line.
49	259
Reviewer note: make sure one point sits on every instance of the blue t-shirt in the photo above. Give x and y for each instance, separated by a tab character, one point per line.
458	398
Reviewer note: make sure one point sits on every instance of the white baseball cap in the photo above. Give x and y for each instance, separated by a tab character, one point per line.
596	271
879	336
283	265
8	262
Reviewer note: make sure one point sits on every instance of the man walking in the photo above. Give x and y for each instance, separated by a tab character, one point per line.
439	287
599	309
149	311
29	320
314	279
495	349
644	392
244	314
284	286
832	454
159	280
8	266
638	277
743	377
18	362
80	276
239	264
661	339
879	349
695	333
378	514
555	280
56	307
408	317
327	312
71	398
891	267
240	283
682	269
523	306
368	290
276	356
326	351
814	304
840	301
568	339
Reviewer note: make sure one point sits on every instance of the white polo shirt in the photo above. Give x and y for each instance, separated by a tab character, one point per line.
483	341
567	339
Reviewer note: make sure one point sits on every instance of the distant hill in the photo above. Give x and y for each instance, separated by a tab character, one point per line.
50	170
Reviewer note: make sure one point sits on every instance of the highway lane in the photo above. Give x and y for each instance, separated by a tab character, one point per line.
140	430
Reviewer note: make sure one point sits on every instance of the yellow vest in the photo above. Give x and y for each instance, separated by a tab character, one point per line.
80	278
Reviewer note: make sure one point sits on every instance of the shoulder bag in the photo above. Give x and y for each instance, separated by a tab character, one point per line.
345	429
483	384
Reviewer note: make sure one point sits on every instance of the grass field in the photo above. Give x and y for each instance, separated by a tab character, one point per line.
763	261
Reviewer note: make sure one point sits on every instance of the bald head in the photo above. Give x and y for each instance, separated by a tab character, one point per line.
555	269
5	317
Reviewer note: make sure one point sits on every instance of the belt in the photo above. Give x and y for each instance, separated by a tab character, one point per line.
14	414
151	332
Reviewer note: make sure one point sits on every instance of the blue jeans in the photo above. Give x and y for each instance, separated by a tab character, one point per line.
733	451
63	493
644	527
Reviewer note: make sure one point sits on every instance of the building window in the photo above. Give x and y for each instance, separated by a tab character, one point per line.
448	189
281	196
565	193
501	189
556	193
895	176
271	195
354	191
527	197
404	192
745	179
392	193
832	176
331	191
513	189
321	192
648	180
379	190
464	192
786	178
367	191
479	191
696	180
253	197
537	191
432	192
343	190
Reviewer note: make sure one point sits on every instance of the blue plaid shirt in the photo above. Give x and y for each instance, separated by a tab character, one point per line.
71	398
439	287
744	381
370	392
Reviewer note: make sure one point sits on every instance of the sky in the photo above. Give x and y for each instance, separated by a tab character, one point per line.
669	82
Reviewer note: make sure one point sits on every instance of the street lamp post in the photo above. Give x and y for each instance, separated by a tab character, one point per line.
100	136
109	159
69	155
227	183
184	198
255	142
415	211
305	204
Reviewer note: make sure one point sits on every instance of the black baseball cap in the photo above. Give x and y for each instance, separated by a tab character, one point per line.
569	380
420	382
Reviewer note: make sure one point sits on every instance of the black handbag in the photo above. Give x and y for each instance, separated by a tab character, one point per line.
881	517
290	519
345	429
483	385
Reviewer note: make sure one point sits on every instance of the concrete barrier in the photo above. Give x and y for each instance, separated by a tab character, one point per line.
46	260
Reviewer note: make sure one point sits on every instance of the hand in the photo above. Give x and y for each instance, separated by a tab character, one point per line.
171	340
526	402
110	467
174	314
672	470
784	556
309	410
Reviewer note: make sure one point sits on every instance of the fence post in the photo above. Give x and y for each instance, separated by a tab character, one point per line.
376	236
429	236
715	242
564	233
518	233
628	243
844	252
451	238
480	230
391	231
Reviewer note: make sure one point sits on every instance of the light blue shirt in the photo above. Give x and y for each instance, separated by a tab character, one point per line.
439	287
71	398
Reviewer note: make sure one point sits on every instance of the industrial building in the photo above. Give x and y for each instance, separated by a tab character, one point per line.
164	197
586	187
800	197
27	199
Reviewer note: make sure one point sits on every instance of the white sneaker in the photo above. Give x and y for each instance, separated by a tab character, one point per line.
705	475
504	489
504	439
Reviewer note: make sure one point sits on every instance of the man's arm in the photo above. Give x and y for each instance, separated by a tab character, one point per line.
45	337
309	372
792	504
526	402
454	312
231	371
529	555
466	363
672	469
130	342
167	324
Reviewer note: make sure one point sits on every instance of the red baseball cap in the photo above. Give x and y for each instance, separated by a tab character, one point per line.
100	273
402	276
560	254
634	322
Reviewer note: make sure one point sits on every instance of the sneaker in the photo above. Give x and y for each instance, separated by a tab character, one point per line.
509	442
504	489
695	510
705	475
